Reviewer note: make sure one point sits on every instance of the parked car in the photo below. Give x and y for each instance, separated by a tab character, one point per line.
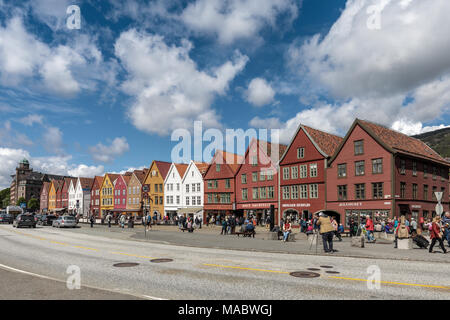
25	220
47	220
6	218
65	222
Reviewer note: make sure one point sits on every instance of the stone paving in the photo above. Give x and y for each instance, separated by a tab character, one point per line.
209	237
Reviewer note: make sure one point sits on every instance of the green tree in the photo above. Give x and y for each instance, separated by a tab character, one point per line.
33	204
4	197
20	200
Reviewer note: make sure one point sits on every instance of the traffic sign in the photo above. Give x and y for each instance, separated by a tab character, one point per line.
146	188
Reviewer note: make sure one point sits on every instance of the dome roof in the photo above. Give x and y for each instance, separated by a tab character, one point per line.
24	161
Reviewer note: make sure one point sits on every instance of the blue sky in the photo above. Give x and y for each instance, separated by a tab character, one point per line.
108	96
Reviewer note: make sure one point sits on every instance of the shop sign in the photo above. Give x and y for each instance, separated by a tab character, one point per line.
415	206
296	205
350	204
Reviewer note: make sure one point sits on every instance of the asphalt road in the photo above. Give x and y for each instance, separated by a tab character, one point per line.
206	273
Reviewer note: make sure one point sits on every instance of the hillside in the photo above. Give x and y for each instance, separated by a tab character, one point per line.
438	140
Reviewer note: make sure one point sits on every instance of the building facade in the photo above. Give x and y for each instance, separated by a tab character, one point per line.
134	194
303	173
382	173
257	180
82	198
107	194
192	186
95	196
44	197
154	199
173	189
219	185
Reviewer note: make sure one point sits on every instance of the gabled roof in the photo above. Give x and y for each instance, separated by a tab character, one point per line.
140	175
58	184
46	186
395	142
233	160
326	143
97	180
86	183
202	167
112	176
127	178
163	168
181	168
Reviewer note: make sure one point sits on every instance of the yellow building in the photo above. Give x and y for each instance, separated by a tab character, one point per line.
107	194
52	196
155	181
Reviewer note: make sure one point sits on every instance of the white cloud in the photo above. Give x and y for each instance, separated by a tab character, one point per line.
51	12
86	171
398	72
170	92
9	159
31	119
237	19
414	128
268	123
104	153
53	140
10	137
61	69
259	92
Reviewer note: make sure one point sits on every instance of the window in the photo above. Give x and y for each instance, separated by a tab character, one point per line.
377	166
199	201
414	168
262	193
359	147
262	176
270	193
227	184
294	192
193	187
286	194
255	193
425	171
209	186
209	199
300	153
161	199
254	176
414	191
217	167
244	179
359	168
269	175
178	199
342	192
433	195
286	173
402	166
444	174
377	190
360	191
294	172
313	170
402	189
244	194
303	171
342	170
178	187
198	187
254	161
193	201
314	191
425	192
434	173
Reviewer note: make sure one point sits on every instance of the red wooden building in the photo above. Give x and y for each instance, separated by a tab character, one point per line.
44	197
379	172
257	179
219	185
303	172
95	196
58	186
120	192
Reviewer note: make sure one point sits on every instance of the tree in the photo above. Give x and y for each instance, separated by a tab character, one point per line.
21	200
4	197
33	204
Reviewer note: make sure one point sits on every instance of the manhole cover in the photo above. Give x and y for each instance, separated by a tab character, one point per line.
332	272
161	260
313	269
304	274
326	267
126	265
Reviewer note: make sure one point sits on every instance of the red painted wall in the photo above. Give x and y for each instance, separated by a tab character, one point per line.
121	188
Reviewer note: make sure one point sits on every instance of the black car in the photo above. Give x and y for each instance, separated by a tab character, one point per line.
25	220
47	220
6	218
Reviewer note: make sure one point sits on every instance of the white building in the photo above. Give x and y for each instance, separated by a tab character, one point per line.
82	198
173	190
72	195
192	189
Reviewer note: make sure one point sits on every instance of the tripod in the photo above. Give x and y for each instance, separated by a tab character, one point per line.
314	238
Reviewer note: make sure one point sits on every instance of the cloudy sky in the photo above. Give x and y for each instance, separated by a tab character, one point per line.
107	96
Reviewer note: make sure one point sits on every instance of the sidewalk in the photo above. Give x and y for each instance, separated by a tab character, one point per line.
209	237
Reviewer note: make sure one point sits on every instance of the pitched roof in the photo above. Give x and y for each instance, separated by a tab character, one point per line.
233	160
58	184
112	176
181	168
202	167
327	142
98	180
46	186
67	180
399	142
86	183
163	168
127	178
281	147
140	174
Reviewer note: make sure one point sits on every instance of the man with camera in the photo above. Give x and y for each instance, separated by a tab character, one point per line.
327	232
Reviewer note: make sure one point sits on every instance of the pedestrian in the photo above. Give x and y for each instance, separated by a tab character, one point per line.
200	220
327	231
446	224
287	229
148	221
413	226
224	227
436	235
108	220
122	221
268	222
369	228
92	220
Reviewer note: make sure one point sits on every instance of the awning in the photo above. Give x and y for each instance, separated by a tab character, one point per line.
191	210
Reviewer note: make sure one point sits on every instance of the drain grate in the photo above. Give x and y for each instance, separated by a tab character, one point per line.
161	260
332	272
126	264
304	274
327	267
313	269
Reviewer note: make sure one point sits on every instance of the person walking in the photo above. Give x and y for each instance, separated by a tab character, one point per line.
148	221
327	231
413	226
122	221
224	227
92	220
108	220
287	229
336	228
436	235
369	229
446	224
